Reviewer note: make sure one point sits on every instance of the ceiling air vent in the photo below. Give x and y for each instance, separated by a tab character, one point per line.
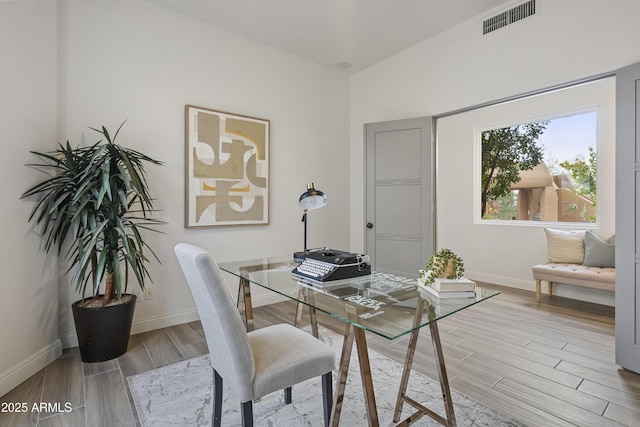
510	16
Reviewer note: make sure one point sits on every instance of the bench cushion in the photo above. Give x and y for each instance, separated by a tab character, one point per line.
575	274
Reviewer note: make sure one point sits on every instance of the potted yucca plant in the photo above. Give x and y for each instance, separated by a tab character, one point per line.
97	196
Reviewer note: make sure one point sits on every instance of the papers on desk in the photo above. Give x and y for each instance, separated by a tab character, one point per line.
370	291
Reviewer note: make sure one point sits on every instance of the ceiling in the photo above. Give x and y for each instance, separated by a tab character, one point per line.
347	34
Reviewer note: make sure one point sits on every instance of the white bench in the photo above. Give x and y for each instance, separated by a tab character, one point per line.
573	274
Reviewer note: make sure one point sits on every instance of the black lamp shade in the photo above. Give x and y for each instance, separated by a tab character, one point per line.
312	198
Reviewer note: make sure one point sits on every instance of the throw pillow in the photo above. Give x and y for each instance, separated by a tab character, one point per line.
565	246
598	252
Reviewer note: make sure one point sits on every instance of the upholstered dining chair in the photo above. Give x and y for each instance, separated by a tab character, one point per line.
252	364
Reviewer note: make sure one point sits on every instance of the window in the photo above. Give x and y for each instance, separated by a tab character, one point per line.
540	171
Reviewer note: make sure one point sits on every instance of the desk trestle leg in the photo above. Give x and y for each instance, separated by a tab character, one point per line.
404	382
442	373
450	420
352	332
365	374
303	294
341	381
244	304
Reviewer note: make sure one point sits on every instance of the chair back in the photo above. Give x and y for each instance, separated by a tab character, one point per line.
227	339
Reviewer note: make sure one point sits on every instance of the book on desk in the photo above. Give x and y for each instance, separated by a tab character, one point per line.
449	288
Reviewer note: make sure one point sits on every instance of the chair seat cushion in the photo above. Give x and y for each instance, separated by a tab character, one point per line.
285	355
576	274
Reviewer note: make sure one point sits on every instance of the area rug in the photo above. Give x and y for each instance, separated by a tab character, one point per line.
180	394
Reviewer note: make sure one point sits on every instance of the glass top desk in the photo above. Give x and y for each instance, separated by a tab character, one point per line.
388	304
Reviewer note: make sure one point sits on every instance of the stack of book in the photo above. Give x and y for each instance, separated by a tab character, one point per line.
450	288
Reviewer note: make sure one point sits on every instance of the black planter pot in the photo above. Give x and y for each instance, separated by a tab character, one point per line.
103	332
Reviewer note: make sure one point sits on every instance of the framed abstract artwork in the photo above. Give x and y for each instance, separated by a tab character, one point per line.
227	169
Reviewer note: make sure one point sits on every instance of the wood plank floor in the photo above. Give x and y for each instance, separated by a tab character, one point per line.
547	364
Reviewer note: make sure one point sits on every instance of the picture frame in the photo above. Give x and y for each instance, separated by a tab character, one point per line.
227	168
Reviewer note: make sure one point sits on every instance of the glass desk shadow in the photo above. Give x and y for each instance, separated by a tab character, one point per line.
385	303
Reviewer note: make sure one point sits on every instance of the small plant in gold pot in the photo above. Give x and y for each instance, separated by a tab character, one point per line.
443	263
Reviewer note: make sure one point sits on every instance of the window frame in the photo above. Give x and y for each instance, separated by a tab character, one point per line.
477	141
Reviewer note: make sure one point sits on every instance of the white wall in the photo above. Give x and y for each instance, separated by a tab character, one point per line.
128	59
504	253
69	65
565	41
28	305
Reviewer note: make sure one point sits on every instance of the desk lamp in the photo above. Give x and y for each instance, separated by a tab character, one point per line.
310	199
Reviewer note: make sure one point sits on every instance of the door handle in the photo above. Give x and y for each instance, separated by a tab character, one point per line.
369	225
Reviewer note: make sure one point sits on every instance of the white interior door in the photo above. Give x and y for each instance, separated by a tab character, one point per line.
628	217
399	193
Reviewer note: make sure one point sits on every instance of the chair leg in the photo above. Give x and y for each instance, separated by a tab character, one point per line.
247	414
287	395
538	290
327	396
550	288
217	399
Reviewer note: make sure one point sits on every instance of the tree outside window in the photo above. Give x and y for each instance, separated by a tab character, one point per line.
542	170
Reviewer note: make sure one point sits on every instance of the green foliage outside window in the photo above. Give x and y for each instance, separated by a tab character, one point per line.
504	208
584	176
506	152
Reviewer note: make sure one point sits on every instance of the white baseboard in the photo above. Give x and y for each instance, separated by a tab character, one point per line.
527	285
596	296
164	321
191	315
266	299
19	373
69	341
171	319
145	325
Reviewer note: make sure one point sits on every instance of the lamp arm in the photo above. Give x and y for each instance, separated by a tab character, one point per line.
304	219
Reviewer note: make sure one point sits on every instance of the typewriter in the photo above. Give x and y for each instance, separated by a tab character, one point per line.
324	265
